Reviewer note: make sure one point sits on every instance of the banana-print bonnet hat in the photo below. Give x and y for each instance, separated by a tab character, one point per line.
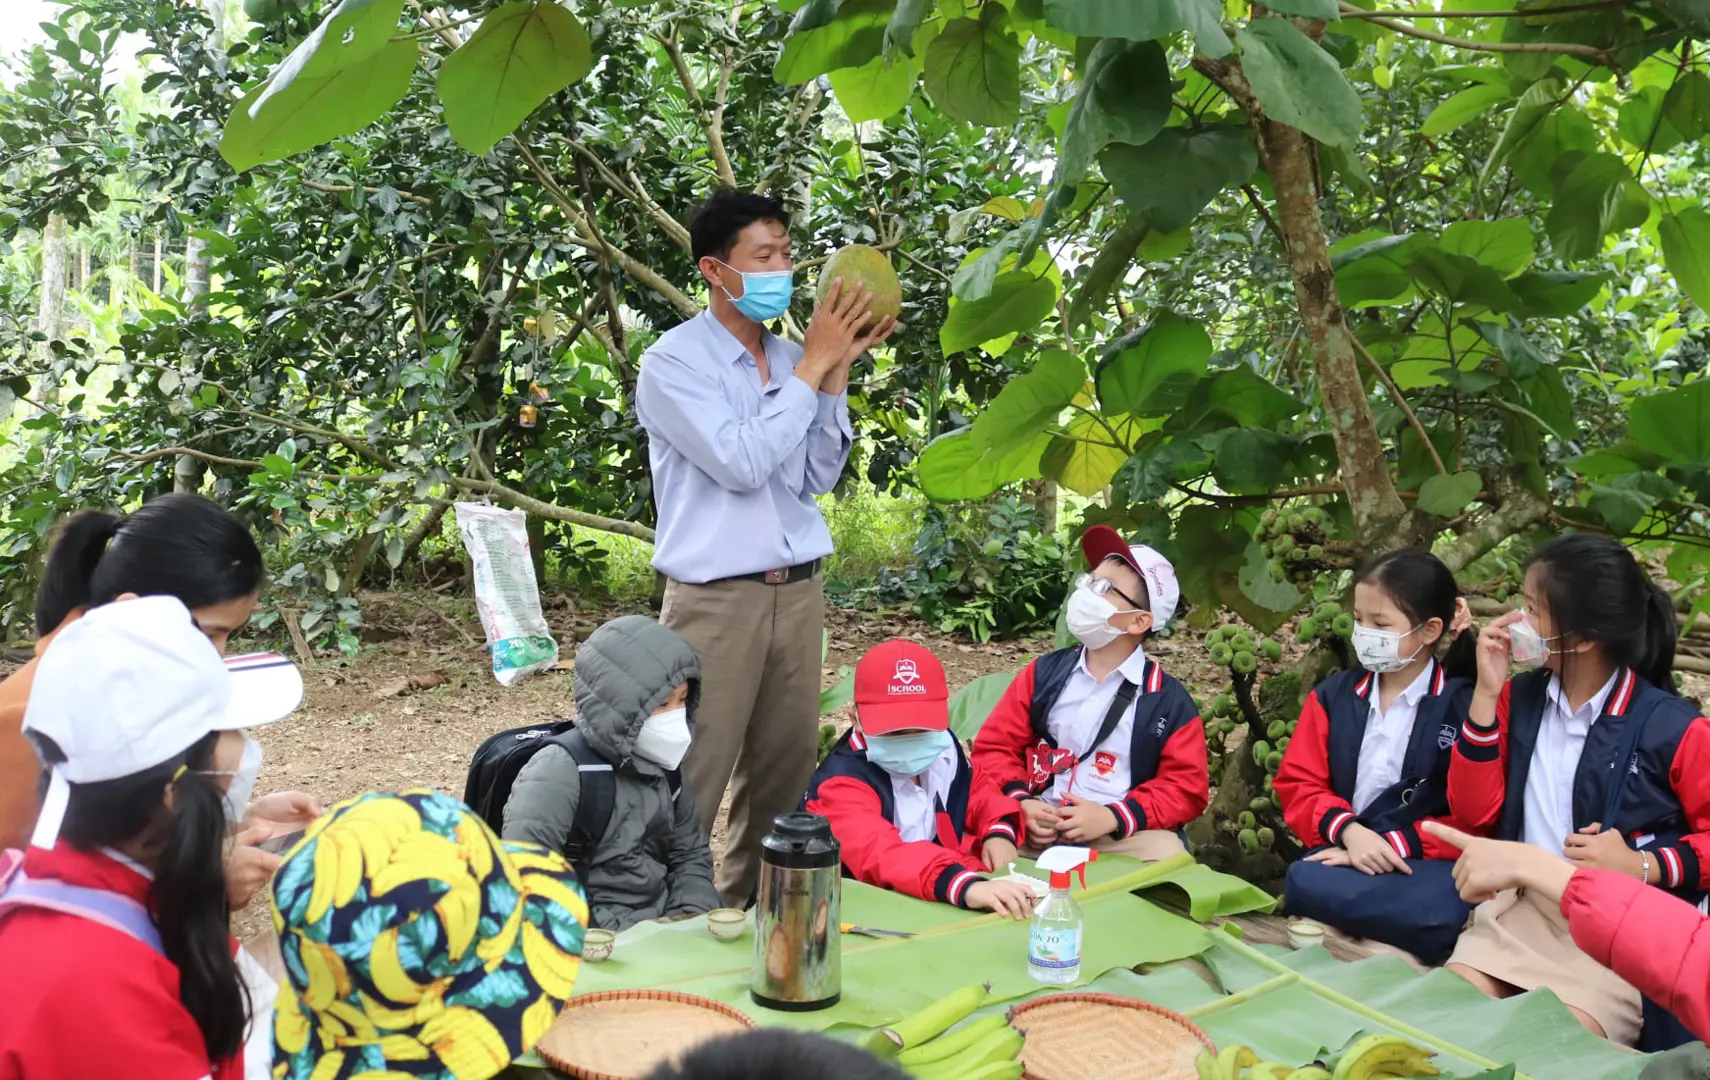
417	944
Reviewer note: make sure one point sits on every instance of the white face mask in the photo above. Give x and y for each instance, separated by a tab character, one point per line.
1089	616
242	787
664	738
1531	648
1380	650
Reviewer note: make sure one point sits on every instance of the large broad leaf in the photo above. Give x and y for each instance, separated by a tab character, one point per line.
954	468
1017	301
1643	125
1505	245
1692	15
522	54
975	701
1686	250
1250	459
1238	397
1675	424
1151	371
1625	500
980	268
901	31
973	70
877	89
1457	110
1086	458
1556	293
1446	495
1539	100
341	78
1108	267
1298	83
1524	358
1590	194
1328	10
1461	279
1142	20
1687	105
1030	402
1256	584
1376	272
825	37
1124	97
1173	177
1534	160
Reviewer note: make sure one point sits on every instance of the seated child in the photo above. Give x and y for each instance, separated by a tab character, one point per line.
901	797
772	1053
637	686
1101	747
417	944
1369	762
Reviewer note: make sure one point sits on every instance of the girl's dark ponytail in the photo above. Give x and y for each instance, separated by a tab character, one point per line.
78	544
1655	660
1461	659
188	896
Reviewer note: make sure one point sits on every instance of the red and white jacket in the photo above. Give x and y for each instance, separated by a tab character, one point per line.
1017	751
856	796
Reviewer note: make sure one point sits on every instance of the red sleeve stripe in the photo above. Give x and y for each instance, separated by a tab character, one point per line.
1125	818
1623	696
1673	872
856	741
1399	843
1437	682
1333	831
1364	686
959	885
1480	738
1003	829
1155	682
1018	790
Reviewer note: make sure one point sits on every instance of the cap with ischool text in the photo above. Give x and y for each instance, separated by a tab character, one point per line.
134	684
1102	542
900	686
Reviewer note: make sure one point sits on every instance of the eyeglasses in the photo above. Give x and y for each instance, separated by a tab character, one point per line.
1103	586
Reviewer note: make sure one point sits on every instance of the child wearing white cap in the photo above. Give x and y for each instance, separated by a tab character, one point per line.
117	915
1098	744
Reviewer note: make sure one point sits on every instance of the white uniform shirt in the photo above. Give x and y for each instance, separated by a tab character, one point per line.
917	804
1104	774
1383	748
1555	759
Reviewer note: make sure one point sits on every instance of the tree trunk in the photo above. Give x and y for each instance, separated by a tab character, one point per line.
427	525
187	471
158	251
1044	493
50	315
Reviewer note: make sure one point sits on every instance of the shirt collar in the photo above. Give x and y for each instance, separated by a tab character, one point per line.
725	345
1133	669
1419	687
1588	712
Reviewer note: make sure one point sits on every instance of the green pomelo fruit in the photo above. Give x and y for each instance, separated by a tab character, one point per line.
866	267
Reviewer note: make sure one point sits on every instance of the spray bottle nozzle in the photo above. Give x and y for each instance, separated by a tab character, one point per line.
1062	861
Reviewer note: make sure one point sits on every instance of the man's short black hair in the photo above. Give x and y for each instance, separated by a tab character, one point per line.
714	226
777	1054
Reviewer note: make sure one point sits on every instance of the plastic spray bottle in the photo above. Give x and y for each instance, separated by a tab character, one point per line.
1054	944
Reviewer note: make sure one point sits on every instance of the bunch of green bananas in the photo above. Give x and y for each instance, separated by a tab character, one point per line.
828	737
1371	1057
985	1049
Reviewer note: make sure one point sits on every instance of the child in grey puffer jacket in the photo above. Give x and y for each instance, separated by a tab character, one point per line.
637	686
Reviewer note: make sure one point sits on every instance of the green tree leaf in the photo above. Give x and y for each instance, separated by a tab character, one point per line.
1174	176
1459	108
1376	272
1643	125
824	37
1589	195
1686	107
1524	358
953	468
1686	251
877	89
1085	460
974	702
973	70
1017	301
1151	371
1257	584
522	54
1674	424
1236	396
1556	293
1625	500
1030	402
1504	245
1461	279
1142	20
1298	83
339	79
1447	495
1251	459
1124	97
904	25
1538	101
1692	15
1328	10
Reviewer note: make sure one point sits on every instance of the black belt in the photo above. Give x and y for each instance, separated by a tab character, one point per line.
786	576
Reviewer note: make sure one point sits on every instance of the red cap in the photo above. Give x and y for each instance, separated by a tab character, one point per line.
898	686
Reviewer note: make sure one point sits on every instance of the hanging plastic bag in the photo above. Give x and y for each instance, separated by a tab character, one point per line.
506	594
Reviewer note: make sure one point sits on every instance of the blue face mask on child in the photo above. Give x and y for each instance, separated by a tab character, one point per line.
907	755
765	295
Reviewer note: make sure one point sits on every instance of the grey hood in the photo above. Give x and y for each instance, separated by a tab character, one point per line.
624	671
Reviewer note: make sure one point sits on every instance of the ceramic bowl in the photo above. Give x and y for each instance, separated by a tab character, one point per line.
597	945
727	924
1304	933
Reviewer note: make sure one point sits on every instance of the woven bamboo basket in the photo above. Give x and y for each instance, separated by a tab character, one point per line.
623	1034
1079	1036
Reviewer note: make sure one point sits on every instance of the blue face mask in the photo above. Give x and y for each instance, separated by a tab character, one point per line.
907	755
765	295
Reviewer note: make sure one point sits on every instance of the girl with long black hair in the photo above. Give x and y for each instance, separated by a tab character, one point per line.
1591	756
1369	761
113	926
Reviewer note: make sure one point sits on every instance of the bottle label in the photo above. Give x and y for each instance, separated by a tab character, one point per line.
1054	947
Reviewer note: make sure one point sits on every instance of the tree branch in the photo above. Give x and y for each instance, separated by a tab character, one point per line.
440	27
634	192
1520	509
341	188
1560	48
1510	13
708	118
1401	402
539	508
1270	222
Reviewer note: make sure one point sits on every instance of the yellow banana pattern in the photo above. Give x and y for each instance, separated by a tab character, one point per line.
418	945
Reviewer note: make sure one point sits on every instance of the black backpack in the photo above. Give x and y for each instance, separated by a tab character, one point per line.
501	757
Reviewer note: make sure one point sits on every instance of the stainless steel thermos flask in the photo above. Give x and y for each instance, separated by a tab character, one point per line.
798	962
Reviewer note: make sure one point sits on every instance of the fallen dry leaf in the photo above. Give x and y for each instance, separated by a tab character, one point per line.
410	683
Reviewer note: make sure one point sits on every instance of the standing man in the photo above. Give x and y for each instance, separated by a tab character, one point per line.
744	430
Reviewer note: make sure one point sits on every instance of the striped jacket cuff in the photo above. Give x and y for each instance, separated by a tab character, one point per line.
1001	830
1015	789
1130	817
1405	841
953	884
1333	822
1479	744
1679	865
